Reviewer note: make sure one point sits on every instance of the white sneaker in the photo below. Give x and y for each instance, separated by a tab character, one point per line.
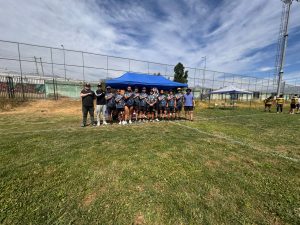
120	123
104	123
157	120
98	123
130	122
124	122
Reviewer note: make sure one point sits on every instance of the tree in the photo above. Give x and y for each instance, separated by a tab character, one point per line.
180	75
157	74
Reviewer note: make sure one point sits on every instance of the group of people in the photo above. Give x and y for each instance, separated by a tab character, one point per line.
128	106
279	101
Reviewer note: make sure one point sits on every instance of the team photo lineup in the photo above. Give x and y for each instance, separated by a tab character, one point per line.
138	105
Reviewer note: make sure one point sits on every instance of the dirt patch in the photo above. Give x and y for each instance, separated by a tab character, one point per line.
212	163
43	107
89	199
139	220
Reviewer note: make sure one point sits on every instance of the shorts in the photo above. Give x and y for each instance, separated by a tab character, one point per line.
110	109
293	106
178	108
151	109
268	105
120	110
162	108
171	109
188	108
143	108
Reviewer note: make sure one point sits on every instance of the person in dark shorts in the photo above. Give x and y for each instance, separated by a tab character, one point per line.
143	104
129	102
298	105
294	101
156	107
179	102
162	104
101	105
110	102
268	103
279	103
189	104
171	102
87	96
151	101
120	107
136	103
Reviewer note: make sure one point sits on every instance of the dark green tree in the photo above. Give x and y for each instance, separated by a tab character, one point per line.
180	75
157	74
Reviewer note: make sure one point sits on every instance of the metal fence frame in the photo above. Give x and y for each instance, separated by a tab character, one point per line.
201	80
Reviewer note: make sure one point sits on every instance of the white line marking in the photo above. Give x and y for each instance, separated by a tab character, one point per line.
237	142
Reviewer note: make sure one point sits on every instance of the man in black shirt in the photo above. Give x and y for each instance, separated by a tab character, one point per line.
101	105
88	97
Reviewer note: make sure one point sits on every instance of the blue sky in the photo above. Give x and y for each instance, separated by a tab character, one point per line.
236	36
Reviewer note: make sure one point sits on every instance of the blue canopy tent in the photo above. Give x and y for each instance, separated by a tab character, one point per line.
143	80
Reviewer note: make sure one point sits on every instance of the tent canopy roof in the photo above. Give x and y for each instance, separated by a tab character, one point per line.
143	80
230	90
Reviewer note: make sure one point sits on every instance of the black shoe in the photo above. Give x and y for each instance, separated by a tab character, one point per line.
82	125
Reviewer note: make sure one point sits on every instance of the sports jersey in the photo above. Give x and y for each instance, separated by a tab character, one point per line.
171	100
136	98
120	103
179	98
110	99
268	101
162	100
294	100
280	101
151	99
129	95
143	99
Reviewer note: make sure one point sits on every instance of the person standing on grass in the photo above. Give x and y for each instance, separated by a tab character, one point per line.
298	105
143	104
120	107
189	104
179	102
171	105
294	101
156	106
162	104
268	103
151	101
87	96
101	105
279	103
136	103
129	101
110	102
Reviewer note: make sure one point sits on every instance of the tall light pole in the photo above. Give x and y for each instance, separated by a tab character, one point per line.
64	61
282	45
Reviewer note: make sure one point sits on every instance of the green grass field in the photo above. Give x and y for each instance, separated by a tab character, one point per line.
227	167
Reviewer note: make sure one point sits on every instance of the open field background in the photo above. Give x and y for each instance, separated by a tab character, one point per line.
227	167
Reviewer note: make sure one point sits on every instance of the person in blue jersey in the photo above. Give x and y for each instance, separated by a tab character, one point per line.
189	104
110	102
120	106
143	104
171	102
151	101
136	103
129	102
179	102
162	104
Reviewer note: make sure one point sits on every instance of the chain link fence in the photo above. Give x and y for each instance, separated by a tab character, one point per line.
35	71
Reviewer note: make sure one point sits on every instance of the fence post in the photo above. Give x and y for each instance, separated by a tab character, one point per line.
129	65
21	71
106	66
148	68
83	66
54	91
